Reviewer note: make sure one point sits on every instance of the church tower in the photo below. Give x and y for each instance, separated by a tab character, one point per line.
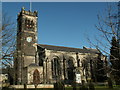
26	44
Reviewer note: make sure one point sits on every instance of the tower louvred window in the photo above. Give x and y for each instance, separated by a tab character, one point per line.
29	24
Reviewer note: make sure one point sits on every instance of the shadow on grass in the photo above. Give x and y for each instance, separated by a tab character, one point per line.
67	88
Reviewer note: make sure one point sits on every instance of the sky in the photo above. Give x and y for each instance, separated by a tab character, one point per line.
62	23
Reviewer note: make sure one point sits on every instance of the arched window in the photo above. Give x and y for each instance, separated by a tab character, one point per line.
70	68
78	62
70	63
56	69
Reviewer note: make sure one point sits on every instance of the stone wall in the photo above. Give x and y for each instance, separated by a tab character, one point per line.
51	54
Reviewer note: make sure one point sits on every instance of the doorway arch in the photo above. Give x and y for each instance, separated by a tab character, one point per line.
36	77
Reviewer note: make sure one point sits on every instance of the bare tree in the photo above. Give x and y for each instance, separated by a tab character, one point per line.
109	27
8	40
94	67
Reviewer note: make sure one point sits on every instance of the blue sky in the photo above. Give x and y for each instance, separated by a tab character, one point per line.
62	24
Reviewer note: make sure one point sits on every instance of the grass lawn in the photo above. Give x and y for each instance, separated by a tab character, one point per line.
65	89
70	88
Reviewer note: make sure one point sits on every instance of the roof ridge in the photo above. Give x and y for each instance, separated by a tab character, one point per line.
68	49
59	46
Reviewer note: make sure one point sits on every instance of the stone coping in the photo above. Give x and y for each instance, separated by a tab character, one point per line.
32	86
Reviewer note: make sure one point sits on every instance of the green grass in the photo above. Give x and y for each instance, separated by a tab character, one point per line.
70	88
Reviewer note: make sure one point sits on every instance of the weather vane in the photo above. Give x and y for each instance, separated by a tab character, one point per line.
30	5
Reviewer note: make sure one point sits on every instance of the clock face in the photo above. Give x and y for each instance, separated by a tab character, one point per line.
29	39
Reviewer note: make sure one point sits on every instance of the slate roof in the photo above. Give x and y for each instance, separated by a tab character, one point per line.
69	49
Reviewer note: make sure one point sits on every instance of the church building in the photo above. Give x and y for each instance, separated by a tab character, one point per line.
47	64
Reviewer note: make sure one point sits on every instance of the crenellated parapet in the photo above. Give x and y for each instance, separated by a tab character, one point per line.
35	13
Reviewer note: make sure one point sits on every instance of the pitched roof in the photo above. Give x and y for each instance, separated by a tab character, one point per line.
68	49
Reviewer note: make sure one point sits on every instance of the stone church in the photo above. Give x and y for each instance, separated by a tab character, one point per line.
39	63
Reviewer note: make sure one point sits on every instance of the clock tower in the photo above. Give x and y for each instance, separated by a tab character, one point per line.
26	44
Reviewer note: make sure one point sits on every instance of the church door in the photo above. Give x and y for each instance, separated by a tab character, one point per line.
36	77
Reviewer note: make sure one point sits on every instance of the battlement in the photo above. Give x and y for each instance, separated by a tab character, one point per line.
35	13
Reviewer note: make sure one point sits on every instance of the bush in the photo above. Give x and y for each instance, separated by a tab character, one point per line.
110	84
83	86
91	86
59	86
